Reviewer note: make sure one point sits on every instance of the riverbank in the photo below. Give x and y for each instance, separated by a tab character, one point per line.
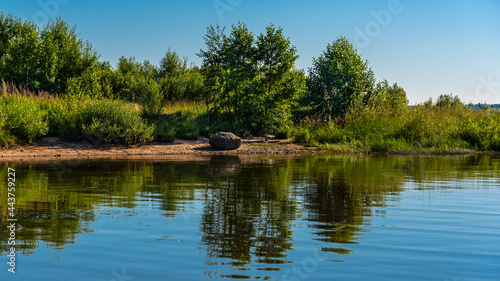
53	148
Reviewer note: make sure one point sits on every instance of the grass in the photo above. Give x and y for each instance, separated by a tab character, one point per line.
424	129
183	120
263	144
25	117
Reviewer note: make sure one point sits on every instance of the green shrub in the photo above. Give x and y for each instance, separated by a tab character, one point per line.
302	136
21	119
386	145
188	131
283	133
119	122
63	118
330	133
150	97
98	120
481	131
163	131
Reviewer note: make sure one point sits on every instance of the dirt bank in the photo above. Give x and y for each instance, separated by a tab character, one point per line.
48	148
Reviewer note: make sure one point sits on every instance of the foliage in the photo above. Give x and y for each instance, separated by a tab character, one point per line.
247	81
250	78
387	96
284	133
42	58
449	100
62	56
99	121
302	136
183	121
178	81
163	131
21	119
340	79
481	130
138	82
97	81
424	128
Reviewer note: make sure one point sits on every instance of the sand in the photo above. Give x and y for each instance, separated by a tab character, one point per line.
53	148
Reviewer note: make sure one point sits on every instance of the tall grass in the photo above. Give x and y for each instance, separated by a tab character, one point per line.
98	120
24	117
21	119
184	120
424	128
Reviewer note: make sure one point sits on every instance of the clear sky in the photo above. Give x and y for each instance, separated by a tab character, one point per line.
428	47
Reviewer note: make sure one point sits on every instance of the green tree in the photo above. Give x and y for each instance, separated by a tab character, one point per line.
42	58
171	64
249	77
138	82
62	56
340	79
177	80
19	51
449	101
96	81
387	97
128	74
278	84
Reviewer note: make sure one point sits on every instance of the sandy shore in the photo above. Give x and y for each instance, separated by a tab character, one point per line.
49	148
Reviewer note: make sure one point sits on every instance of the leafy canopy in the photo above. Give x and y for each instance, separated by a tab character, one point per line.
250	78
340	78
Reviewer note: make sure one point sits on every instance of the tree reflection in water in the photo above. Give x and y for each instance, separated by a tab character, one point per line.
250	206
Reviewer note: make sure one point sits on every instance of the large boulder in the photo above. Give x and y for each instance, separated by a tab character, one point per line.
225	141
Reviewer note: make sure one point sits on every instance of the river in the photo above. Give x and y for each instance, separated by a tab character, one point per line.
286	218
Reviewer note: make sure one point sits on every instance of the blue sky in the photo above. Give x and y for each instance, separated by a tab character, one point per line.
428	47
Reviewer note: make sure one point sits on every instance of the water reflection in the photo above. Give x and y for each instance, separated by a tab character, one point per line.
248	215
340	194
250	206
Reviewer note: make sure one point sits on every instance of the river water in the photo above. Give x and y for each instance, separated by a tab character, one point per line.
287	218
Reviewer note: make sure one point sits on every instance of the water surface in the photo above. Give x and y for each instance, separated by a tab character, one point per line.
297	218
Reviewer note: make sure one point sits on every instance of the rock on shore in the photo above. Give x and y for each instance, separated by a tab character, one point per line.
225	141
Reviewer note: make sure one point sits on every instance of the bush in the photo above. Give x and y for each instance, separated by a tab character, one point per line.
302	135
188	131
150	97
386	145
283	133
164	133
449	100
99	121
330	134
21	119
481	131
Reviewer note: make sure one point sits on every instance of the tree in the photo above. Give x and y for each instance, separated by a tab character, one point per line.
128	74
277	81
387	97
96	81
139	82
340	78
247	76
171	64
62	56
19	49
178	81
449	101
42	58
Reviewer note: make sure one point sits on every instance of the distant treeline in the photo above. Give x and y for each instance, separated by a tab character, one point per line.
485	106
